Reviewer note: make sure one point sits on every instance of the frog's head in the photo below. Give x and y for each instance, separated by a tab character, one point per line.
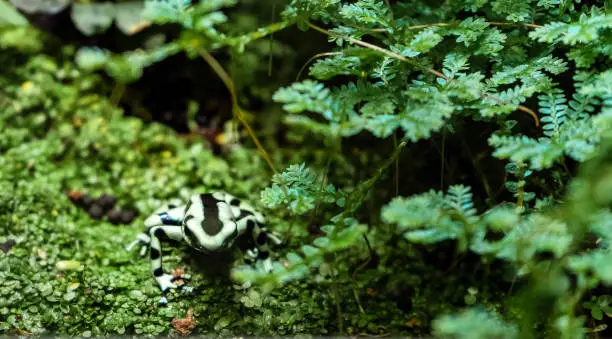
208	224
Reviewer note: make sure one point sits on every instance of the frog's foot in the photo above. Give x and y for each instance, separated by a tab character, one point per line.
251	254
267	265
143	240
275	237
165	282
186	290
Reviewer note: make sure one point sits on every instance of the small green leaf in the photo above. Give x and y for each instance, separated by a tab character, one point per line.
10	16
93	18
309	250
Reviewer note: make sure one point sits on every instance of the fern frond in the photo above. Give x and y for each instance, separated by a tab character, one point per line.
515	10
539	154
459	199
307	95
553	105
370	13
469	30
581	106
585	30
325	69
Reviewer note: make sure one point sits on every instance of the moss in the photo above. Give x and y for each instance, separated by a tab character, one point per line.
69	274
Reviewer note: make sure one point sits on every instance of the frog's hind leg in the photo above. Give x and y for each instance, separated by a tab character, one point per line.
261	237
251	222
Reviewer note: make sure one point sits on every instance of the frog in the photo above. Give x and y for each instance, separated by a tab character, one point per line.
207	222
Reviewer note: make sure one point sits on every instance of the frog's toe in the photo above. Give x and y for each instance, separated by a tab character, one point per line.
141	239
165	282
267	265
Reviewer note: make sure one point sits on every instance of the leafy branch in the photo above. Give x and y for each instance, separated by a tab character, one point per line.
411	62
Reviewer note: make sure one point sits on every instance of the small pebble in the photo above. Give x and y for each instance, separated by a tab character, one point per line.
6	246
315	229
115	216
95	212
106	202
84	200
128	216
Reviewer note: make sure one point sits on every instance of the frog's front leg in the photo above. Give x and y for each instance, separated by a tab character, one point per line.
164	223
156	233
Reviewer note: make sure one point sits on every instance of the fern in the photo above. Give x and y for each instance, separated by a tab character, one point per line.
166	11
475	323
371	13
469	30
296	266
327	68
581	107
515	11
540	154
307	96
459	199
554	107
300	190
585	30
432	217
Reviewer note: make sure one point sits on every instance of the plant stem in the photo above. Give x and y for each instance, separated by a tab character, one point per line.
444	24
396	165
271	44
238	111
117	93
260	33
442	160
312	58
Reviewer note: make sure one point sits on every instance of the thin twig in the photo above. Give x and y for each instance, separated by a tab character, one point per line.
376	48
396	165
271	44
117	93
444	24
312	58
238	111
359	268
442	160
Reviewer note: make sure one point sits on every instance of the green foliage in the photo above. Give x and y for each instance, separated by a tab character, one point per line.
432	217
585	30
10	16
296	266
506	105
599	306
568	129
297	188
474	323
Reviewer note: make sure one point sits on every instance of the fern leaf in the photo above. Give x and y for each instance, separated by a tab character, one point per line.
553	106
539	154
584	31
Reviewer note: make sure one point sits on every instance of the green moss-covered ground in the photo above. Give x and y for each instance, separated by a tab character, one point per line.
62	136
63	272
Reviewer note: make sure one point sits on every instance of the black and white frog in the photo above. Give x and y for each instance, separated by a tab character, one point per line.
209	222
